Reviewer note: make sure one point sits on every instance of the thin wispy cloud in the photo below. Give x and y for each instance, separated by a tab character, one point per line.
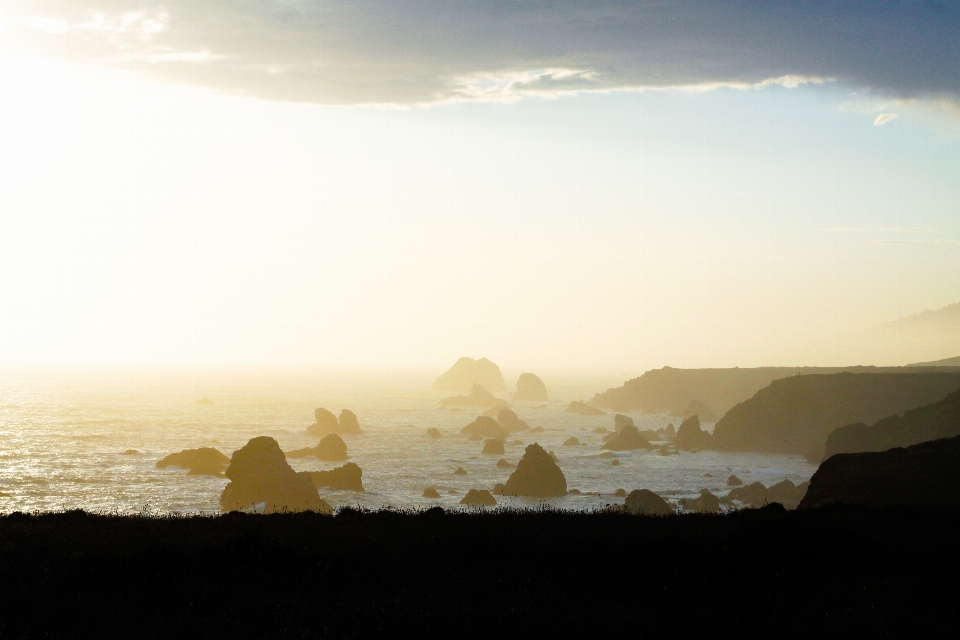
427	51
884	118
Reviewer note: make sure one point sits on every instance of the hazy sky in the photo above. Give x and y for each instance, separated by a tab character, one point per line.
398	184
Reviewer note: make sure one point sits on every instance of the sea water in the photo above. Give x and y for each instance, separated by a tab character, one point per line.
64	440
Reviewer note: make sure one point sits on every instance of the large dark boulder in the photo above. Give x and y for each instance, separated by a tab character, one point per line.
259	474
691	436
646	502
530	388
923	475
348	477
583	409
325	423
205	461
706	503
537	475
626	439
620	421
751	495
931	422
493	446
479	498
485	427
479	397
331	448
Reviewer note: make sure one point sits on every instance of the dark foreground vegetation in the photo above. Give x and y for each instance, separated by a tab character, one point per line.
833	571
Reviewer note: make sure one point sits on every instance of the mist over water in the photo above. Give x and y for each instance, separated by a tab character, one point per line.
64	438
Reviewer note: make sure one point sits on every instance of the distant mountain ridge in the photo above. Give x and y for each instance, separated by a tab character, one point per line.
946	362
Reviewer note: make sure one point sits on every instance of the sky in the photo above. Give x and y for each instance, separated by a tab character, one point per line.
292	183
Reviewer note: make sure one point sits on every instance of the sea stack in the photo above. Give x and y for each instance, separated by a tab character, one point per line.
691	436
627	439
583	409
537	475
259	474
479	397
205	461
467	372
530	388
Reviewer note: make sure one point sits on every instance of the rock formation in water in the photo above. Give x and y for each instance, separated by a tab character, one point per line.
205	461
479	498
430	492
706	503
348	477
702	411
479	397
433	432
510	422
923	475
583	409
259	474
647	503
615	463
460	472
734	481
628	438
691	436
504	464
537	430
331	448
467	372
325	423
485	427
134	452
530	388
348	423
571	442
795	415
931	422
757	495
206	401
493	446
537	475
620	421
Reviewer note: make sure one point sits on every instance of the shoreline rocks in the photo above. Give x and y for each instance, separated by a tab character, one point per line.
627	439
647	503
259	474
479	498
537	475
467	372
348	477
583	409
493	446
530	388
691	436
332	448
479	397
204	461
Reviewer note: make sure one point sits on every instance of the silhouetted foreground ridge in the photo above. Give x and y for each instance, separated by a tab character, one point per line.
765	573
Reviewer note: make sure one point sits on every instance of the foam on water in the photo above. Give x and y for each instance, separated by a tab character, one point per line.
63	443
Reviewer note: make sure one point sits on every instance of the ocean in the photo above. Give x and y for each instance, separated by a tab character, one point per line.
65	437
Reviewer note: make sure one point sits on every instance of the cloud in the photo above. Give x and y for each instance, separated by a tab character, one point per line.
884	118
426	51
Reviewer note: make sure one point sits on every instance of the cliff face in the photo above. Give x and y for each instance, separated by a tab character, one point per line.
796	414
931	422
467	372
924	475
673	390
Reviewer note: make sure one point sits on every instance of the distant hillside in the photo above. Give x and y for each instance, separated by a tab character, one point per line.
672	390
930	422
923	337
946	362
796	414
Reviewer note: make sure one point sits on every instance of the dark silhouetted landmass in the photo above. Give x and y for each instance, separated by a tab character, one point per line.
331	448
348	423
757	495
479	397
348	477
924	475
691	436
583	409
627	439
205	461
328	423
932	422
530	388
493	446
702	411
467	372
431	492
259	475
670	390
706	503
795	415
766	573
537	475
